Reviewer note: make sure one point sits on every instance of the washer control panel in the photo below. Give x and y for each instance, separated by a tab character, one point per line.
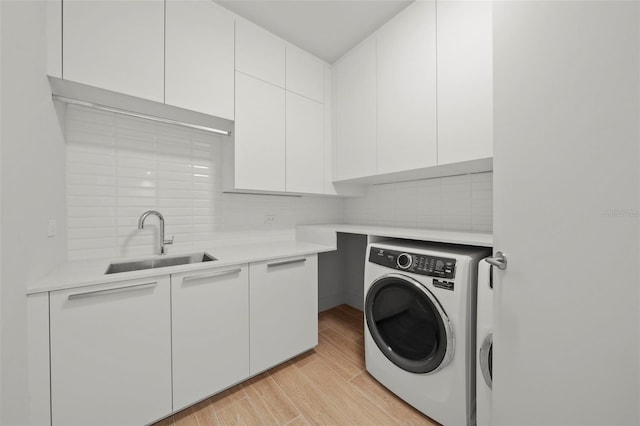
432	266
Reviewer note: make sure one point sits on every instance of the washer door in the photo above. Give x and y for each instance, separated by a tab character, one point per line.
408	324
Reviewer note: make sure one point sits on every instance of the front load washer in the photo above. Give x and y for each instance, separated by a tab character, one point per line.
484	344
420	302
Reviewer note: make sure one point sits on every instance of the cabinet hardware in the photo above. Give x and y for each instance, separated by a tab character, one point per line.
212	275
287	262
112	290
499	260
139	115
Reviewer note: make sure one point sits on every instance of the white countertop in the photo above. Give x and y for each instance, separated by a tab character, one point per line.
325	234
90	272
309	239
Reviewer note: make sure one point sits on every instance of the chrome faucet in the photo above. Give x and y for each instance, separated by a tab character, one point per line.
163	242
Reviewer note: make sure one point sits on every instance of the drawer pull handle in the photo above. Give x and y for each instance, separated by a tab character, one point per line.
287	262
213	275
112	290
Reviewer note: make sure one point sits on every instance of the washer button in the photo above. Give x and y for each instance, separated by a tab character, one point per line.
404	261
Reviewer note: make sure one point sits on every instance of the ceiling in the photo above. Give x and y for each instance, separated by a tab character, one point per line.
326	28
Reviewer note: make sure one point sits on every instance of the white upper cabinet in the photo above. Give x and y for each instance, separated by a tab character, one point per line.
329	134
465	81
199	57
259	135
406	90
259	53
422	98
280	115
304	74
305	145
115	45
355	117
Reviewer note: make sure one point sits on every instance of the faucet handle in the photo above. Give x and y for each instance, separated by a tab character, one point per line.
169	242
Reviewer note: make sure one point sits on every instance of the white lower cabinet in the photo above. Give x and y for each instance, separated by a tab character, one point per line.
132	352
283	300
111	353
210	322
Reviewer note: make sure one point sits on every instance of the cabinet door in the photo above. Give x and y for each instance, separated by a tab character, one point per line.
304	74
115	45
111	353
259	135
283	300
329	132
259	53
356	112
406	84
199	57
465	81
210	324
305	145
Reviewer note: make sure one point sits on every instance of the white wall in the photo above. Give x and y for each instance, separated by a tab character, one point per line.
462	202
32	189
117	167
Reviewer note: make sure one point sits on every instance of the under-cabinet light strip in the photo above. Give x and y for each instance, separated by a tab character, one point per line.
138	115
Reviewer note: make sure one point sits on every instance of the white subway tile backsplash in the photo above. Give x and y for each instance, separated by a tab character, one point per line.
118	167
462	202
108	252
75	223
91	243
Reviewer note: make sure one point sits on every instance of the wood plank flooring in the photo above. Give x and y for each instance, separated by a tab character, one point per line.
326	386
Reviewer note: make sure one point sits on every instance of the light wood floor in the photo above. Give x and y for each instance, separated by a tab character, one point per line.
326	386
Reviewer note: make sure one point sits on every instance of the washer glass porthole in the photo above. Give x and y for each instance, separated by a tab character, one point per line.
408	325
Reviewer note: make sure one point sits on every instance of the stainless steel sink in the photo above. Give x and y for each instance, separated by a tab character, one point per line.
159	262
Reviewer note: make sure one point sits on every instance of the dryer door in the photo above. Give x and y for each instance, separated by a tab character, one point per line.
408	324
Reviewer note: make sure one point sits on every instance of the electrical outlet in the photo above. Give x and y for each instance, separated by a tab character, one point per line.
51	232
270	219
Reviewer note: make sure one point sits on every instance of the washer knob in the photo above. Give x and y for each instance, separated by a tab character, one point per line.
404	261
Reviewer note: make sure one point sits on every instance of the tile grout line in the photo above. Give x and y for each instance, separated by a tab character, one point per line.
253	405
319	390
286	395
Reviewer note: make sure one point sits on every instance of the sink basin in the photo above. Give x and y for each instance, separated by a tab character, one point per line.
158	262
